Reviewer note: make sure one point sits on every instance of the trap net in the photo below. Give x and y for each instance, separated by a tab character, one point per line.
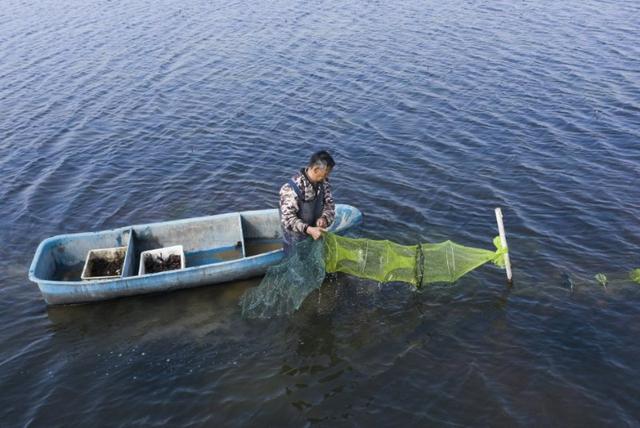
287	284
386	261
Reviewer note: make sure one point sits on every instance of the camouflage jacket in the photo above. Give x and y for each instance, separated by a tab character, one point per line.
289	202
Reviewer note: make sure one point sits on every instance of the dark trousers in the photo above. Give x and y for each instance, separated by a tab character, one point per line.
290	239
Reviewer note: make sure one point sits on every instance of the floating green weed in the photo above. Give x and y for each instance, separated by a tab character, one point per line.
602	279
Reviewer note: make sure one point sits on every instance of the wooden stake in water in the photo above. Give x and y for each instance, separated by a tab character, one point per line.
503	241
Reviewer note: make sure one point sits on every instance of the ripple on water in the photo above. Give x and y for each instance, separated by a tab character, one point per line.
119	113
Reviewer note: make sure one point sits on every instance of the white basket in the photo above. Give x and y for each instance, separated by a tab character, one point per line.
102	253
161	252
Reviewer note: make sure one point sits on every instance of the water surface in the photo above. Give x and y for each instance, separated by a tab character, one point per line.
125	112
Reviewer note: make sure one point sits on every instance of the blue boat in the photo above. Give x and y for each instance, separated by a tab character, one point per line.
218	248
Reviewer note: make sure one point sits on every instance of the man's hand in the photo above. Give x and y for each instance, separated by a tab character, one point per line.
322	222
315	232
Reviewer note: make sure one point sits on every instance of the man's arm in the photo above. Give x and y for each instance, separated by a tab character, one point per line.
289	210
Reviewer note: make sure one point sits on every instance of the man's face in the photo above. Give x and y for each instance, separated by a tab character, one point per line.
317	174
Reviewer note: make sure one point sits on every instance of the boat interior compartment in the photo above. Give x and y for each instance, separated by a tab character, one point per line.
262	233
205	241
62	259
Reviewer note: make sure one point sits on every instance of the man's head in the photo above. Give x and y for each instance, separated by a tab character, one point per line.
320	166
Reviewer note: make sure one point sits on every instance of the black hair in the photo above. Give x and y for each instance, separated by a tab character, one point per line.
322	158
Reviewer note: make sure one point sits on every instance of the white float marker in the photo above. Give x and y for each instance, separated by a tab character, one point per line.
503	242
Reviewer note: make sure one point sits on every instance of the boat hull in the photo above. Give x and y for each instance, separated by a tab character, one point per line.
219	249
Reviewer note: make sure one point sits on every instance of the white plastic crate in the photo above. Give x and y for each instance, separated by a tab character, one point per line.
108	254
161	252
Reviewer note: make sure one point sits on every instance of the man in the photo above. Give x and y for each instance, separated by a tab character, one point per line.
306	203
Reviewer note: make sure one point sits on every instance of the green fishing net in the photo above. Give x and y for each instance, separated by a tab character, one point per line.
287	284
385	261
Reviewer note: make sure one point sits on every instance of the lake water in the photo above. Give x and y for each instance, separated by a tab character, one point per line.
125	112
